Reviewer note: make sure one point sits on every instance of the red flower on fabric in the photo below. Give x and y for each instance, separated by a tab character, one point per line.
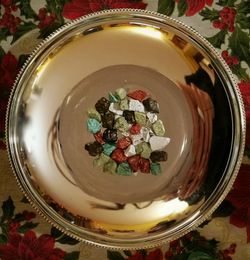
6	3
8	20
13	226
226	253
239	196
226	20
230	60
136	256
245	91
77	8
45	18
153	255
28	215
194	6
30	247
8	71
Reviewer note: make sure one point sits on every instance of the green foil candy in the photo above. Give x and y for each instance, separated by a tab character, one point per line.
121	124
146	150
108	148
124	169
138	148
110	166
121	93
93	113
124	104
113	98
93	125
158	128
140	118
155	168
101	160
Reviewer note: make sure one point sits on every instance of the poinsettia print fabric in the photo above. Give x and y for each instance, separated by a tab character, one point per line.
77	8
18	240
8	71
29	246
239	197
193	7
23	234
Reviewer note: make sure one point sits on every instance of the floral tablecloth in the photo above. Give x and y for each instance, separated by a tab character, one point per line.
23	233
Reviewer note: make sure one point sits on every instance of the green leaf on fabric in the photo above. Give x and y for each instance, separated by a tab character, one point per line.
27	226
218	39
23	29
199	243
182	256
199	255
114	255
3	239
56	7
210	14
247	152
54	232
239	43
206	246
243	8
240	72
224	210
127	253
243	20
19	217
4	228
2	53
4	32
26	9
21	60
182	7
8	209
49	29
24	199
67	240
166	6
229	3
63	2
72	256
61	238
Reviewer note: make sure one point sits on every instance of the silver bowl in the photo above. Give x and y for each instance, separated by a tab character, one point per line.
200	106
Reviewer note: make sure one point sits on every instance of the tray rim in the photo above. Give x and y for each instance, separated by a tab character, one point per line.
58	221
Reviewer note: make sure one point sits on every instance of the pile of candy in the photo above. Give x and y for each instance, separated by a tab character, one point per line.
129	137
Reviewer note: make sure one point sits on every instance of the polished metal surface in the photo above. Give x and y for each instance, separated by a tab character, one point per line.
200	106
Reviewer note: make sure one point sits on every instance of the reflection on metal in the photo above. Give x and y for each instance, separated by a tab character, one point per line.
200	106
203	114
147	31
55	152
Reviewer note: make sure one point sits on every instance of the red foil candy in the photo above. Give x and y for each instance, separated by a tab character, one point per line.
144	165
135	129
134	162
118	156
123	143
98	138
138	95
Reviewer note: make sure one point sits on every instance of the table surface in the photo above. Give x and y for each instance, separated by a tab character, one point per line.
26	235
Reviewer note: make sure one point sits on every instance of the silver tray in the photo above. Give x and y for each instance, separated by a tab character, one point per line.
200	106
